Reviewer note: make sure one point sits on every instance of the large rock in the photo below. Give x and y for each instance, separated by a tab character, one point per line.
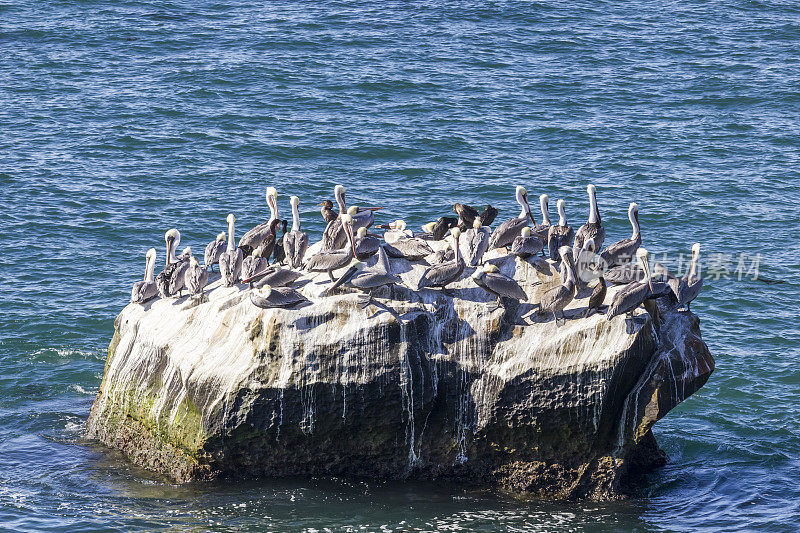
417	385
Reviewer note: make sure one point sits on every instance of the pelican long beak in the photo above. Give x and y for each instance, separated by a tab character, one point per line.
347	229
530	213
170	244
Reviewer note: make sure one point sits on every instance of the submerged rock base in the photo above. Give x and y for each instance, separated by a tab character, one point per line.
417	385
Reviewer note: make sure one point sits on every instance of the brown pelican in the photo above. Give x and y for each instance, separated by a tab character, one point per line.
557	298
177	281
444	273
295	243
593	227
328	214
506	232
214	249
540	231
330	260
279	252
488	215
263	231
396	231
492	281
466	215
688	287
196	277
230	262
622	251
268	297
632	295
412	249
561	234
526	245
146	289
366	245
275	276
475	243
254	263
172	238
334	236
359	277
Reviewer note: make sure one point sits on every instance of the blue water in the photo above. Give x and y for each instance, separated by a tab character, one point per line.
120	120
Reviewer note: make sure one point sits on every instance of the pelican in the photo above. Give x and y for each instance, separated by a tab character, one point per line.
196	277
330	260
688	287
366	245
475	243
230	262
540	231
506	232
164	278
295	243
488	215
561	234
260	233
335	237
632	295
146	289
177	280
367	280
466	215
622	251
557	298
254	263
268	297
444	273
492	281
397	231
279	252
185	254
275	276
588	265
214	249
411	248
526	245
593	227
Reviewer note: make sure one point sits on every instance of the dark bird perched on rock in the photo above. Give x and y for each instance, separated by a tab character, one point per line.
466	216
196	277
560	234
440	228
327	211
488	215
214	250
279	253
257	235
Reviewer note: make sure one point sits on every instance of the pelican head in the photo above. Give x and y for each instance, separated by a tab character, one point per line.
590	245
231	219
456	233
591	190
193	262
400	225
151	254
338	194
477	224
566	253
221	236
187	251
428	227
562	212
634	207
353	210
272	192
294	201
362	232
264	291
347	219
522	193
696	249
526	232
491	268
173	236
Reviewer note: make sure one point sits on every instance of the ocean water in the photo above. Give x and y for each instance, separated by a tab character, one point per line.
119	120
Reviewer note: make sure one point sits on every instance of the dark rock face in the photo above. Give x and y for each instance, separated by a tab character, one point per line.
419	385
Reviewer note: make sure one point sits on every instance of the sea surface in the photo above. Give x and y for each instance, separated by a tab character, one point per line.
120	120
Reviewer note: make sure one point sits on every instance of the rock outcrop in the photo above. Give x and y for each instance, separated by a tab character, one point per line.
416	385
